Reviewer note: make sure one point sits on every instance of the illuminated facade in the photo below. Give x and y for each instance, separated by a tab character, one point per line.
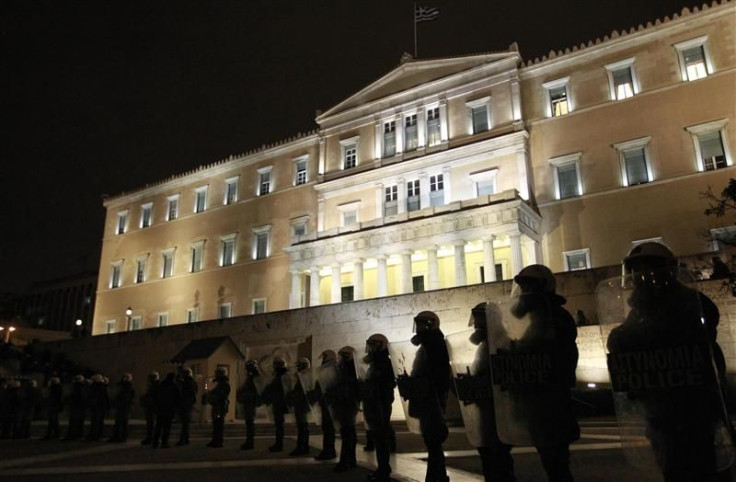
442	173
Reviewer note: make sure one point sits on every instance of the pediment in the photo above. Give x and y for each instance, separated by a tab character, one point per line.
411	74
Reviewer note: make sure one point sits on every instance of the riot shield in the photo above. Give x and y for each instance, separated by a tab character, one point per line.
664	367
405	359
309	384
531	403
369	396
471	367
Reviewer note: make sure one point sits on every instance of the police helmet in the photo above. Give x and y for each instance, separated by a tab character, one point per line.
426	319
376	342
188	372
537	278
328	356
278	362
128	377
303	363
153	376
54	381
78	378
221	372
346	353
97	378
649	255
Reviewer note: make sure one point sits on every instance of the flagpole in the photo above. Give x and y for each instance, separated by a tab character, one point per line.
414	16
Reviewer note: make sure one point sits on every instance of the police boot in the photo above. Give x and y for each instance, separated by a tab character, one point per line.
329	455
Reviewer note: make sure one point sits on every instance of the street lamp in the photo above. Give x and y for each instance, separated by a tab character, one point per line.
128	314
10	330
78	322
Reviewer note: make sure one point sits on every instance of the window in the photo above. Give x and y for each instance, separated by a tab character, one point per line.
116	274
261	245
231	190
723	237
146	215
172	210
299	229
197	251
622	79
437	190
140	269
709	141
122	225
347	293
162	320
634	157
558	97
434	132
259	306
349	152
411	136
694	59
264	181
479	112
110	326
300	170
192	315
413	202
349	213
484	182
227	250
417	284
389	139
390	203
135	323
567	176
167	270
200	200
225	310
576	260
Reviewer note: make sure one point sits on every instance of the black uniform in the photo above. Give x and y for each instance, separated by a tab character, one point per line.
98	403
168	402
377	394
328	428
77	410
249	399
54	405
218	398
122	403
343	399
274	396
189	390
148	403
6	426
28	398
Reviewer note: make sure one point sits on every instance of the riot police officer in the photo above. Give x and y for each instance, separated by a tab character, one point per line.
343	401
297	400
168	401
54	405
682	399
218	397
275	397
77	409
248	397
122	402
98	402
148	403
377	394
188	388
328	365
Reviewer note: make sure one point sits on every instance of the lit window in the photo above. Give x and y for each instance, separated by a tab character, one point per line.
162	320
634	158
225	310
411	137
259	306
694	59
299	228
558	97
168	263
349	152
122	224
434	132
192	315
484	182
116	274
227	250
437	190
709	141
261	244
413	201
390	203
300	170
479	115
231	190
622	79
110	326
349	213
576	260
140	269
200	199
197	252
567	176
135	323
146	215
265	184
172	210
389	138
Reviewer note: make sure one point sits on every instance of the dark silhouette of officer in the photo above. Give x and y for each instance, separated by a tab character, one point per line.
218	398
122	402
54	405
148	403
6	426
329	361
12	404
343	400
249	399
77	408
274	396
377	393
168	403
98	402
297	400
188	388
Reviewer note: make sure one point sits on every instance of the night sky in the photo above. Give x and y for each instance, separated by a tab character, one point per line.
101	97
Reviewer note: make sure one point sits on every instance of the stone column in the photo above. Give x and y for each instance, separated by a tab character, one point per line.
443	121
382	274
538	258
421	127
399	134
447	184
336	285
433	278
423	190
320	214
358	279
380	197
295	298
489	260
406	272
377	146
401	201
313	286
461	278
516	263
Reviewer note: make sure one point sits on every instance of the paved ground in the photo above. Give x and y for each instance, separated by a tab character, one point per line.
596	457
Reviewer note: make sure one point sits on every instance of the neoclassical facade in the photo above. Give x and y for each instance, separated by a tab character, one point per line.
442	173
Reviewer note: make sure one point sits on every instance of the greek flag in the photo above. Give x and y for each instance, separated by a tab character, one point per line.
425	14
